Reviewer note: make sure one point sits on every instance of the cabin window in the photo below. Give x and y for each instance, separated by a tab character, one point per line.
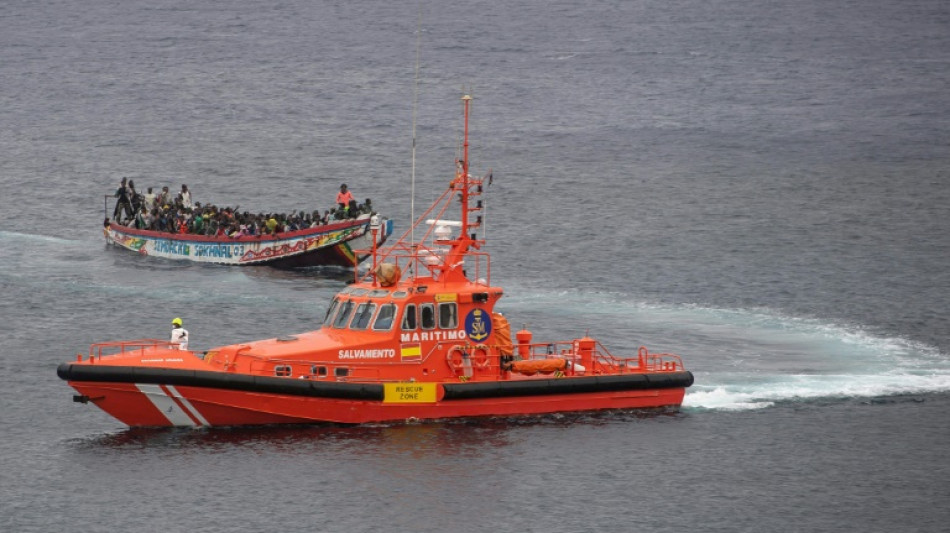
364	313
319	371
428	316
341	372
384	320
329	315
379	293
282	371
409	318
400	294
448	315
342	317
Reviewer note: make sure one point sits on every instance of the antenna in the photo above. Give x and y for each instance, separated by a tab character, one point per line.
415	100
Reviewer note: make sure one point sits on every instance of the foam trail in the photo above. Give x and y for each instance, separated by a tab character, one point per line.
12	236
712	392
753	358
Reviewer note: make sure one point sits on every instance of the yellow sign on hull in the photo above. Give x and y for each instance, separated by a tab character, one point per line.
409	392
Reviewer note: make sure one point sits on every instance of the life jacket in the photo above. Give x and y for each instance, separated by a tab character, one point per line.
502	333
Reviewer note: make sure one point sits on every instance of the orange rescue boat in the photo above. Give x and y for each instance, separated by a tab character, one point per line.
414	338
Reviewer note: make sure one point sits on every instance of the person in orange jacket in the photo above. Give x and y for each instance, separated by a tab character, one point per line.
344	197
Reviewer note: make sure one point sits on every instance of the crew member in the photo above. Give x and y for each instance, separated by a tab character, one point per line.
179	334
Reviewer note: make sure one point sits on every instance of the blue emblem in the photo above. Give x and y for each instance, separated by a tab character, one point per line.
477	325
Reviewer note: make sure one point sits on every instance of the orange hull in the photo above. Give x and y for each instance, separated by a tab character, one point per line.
164	405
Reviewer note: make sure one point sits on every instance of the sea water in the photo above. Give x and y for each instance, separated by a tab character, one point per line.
758	187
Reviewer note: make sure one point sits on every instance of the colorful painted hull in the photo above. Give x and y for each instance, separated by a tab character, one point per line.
340	244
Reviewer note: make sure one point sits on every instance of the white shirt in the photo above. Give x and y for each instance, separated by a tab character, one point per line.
180	337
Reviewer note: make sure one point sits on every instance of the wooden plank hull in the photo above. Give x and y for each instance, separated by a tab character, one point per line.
341	244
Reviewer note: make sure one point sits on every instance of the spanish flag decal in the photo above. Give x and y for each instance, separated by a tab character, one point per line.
410	352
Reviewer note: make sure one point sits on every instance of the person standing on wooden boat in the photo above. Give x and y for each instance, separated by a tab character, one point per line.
124	202
343	198
179	334
186	198
134	197
150	199
165	198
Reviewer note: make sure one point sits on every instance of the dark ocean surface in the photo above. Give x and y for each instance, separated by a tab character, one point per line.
762	187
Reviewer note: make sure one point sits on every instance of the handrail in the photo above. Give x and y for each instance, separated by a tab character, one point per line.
96	351
602	359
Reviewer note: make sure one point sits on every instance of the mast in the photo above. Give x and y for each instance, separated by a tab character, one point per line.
415	103
466	101
440	252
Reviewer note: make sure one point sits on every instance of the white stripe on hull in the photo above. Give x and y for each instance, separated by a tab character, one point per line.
191	409
172	411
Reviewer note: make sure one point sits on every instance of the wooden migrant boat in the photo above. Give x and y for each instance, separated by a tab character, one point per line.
334	244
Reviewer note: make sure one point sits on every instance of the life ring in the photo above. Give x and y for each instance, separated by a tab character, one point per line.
480	356
455	358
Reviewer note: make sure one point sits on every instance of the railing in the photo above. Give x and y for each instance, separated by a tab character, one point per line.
586	357
429	250
600	359
107	349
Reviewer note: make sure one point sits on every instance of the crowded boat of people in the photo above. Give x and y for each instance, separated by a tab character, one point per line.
179	214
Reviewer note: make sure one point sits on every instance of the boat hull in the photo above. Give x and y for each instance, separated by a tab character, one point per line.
341	244
160	397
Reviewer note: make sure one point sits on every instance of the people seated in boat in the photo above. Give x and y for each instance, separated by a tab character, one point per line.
181	224
179	335
197	224
171	215
143	218
271	225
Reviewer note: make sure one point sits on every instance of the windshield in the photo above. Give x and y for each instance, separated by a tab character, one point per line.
344	315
